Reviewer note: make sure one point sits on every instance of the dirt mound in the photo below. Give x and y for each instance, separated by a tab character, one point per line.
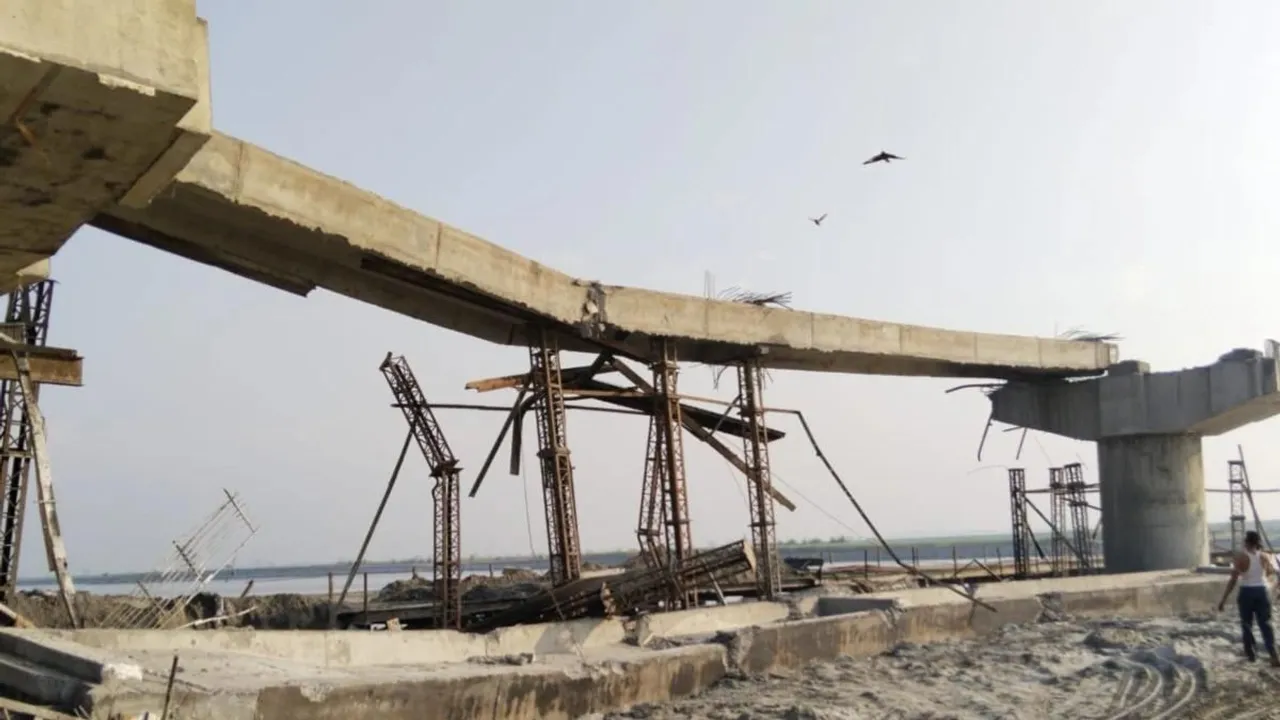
46	609
491	591
415	589
271	612
638	562
513	583
280	612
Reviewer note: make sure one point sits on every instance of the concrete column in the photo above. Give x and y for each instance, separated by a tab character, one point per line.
1152	491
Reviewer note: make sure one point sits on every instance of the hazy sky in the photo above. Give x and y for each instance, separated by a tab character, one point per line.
1104	165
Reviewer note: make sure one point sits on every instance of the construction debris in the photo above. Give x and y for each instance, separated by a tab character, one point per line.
625	593
195	560
445	493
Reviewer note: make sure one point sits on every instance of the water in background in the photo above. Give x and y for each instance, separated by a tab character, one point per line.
314	580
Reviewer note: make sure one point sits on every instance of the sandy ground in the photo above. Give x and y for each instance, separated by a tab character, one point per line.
1188	667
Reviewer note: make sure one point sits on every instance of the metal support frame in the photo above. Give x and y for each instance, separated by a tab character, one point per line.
1058	551
445	493
652	511
1081	528
27	321
1236	489
1021	526
756	457
670	446
564	551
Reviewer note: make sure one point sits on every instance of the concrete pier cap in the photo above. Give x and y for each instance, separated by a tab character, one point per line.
1148	427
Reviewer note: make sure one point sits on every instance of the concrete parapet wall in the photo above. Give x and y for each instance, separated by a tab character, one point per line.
705	621
554	638
935	614
531	692
360	649
600	678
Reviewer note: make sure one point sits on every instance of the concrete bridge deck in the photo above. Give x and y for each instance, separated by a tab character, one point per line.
111	124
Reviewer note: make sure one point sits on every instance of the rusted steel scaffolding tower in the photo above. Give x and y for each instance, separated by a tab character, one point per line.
756	457
1078	501
27	320
1236	482
564	551
1059	554
445	493
652	513
1022	539
664	498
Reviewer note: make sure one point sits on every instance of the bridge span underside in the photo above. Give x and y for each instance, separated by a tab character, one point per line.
241	208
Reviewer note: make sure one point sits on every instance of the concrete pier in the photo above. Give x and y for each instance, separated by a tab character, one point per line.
1152	496
1148	427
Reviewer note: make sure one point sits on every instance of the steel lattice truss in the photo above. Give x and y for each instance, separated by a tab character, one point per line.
565	554
1077	499
1236	484
445	493
756	456
664	500
652	511
26	321
1059	551
1021	526
194	562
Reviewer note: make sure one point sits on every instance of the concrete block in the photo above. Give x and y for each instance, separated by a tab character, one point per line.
41	684
68	658
706	621
554	638
530	692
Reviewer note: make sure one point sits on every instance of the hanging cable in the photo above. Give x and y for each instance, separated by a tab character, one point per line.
867	519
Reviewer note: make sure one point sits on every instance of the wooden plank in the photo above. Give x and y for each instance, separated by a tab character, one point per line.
46	369
54	546
9	705
18	619
567	376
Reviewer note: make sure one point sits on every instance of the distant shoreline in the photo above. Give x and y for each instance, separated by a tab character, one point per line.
835	549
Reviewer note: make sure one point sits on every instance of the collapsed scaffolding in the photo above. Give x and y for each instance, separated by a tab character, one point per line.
663	529
446	558
195	560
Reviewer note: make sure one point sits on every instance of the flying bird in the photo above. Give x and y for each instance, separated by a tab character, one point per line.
818	220
883	157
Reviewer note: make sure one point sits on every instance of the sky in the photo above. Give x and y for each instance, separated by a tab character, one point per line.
1098	165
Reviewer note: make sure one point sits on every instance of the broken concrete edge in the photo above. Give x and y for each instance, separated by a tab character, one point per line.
605	682
33	273
191	134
